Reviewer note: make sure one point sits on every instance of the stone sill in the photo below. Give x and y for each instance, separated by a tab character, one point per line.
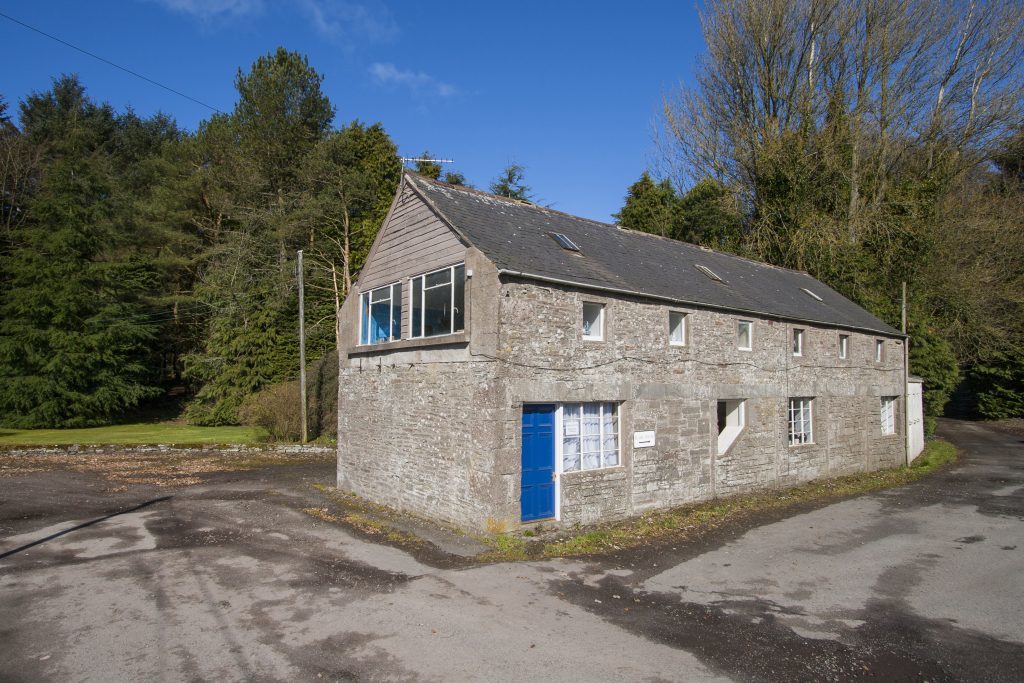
459	338
599	472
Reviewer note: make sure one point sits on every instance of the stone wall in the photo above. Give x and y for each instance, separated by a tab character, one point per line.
434	428
673	391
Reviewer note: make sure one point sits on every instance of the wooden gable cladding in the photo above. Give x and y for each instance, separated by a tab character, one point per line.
413	240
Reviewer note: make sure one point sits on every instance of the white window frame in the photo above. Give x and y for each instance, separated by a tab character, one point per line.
750	334
798	341
600	322
560	437
421	282
879	350
366	299
844	346
800	412
735	422
683	324
888	414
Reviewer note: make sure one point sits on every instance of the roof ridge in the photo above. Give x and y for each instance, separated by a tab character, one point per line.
508	200
614	226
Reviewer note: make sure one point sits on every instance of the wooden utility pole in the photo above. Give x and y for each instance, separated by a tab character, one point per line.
903	311
302	352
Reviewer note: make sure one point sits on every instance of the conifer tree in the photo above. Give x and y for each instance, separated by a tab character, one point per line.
75	329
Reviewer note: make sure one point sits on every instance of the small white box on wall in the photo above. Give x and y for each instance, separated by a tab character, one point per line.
643	439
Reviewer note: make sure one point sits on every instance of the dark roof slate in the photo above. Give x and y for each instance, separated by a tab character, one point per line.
515	236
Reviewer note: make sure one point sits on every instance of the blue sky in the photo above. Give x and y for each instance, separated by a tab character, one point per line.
569	90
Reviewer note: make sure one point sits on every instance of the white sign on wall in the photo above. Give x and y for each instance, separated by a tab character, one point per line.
643	439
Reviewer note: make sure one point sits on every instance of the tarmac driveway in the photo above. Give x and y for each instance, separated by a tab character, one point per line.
230	581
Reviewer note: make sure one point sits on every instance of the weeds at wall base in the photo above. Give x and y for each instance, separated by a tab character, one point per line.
690	521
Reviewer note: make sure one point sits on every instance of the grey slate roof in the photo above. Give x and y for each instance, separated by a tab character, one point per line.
515	237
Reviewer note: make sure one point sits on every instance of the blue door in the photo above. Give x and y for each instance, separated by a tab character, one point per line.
538	489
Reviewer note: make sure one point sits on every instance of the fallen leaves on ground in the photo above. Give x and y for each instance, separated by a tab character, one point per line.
159	468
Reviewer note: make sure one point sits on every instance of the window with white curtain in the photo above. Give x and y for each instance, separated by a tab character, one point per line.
844	345
744	335
800	424
676	328
590	436
888	414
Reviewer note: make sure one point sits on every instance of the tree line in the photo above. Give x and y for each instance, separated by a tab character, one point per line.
136	257
869	143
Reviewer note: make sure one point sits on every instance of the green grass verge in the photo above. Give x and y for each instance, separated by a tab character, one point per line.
145	433
690	521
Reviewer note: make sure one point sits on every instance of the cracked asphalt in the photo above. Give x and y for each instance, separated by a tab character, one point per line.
229	580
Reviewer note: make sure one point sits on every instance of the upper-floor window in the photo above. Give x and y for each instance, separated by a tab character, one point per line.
593	321
744	335
798	342
676	328
438	302
879	350
888	414
381	314
844	345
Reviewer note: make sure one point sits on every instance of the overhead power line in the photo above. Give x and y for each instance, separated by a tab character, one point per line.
107	61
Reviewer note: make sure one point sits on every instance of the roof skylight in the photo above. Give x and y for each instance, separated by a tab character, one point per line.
710	273
563	241
811	294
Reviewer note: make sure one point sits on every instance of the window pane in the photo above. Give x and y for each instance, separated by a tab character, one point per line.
676	324
743	335
382	294
609	416
592	314
380	322
798	342
396	311
611	450
437	314
441	277
417	307
591	441
460	298
570	453
364	316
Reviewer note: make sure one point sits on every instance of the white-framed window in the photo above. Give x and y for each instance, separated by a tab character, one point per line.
888	414
438	302
879	350
676	328
798	342
380	316
800	421
844	345
744	335
590	436
732	418
593	321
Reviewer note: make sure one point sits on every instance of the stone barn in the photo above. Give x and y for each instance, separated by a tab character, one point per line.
503	364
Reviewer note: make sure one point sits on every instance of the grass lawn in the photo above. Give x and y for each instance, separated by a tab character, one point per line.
172	433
